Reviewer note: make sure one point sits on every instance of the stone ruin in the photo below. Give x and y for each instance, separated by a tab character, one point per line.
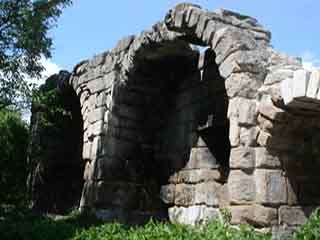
171	132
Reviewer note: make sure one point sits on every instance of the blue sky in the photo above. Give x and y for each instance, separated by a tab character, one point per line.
89	27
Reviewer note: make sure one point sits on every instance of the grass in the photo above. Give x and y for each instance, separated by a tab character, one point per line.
22	224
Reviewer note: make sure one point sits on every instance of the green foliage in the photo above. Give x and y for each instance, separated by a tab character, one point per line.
24	225
311	229
24	27
13	152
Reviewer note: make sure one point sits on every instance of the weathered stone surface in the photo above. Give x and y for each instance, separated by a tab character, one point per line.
247	112
207	193
195	176
201	157
314	83
184	195
193	215
270	187
264	216
241	187
167	193
294	215
248	136
266	159
278	75
234	132
242	158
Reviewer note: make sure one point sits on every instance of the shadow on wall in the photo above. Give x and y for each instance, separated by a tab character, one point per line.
170	115
291	164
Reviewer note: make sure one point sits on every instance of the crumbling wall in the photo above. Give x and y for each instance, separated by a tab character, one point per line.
170	130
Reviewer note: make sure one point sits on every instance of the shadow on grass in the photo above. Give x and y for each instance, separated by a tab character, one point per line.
23	224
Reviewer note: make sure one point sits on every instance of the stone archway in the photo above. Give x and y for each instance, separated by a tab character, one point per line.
55	152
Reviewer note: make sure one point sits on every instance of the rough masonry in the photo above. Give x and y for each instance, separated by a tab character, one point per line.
173	132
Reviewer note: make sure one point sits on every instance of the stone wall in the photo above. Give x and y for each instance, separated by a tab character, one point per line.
172	132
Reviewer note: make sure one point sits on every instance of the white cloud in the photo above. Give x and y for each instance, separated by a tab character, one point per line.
50	68
310	61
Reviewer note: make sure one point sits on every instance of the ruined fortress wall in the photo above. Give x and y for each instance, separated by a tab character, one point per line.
172	131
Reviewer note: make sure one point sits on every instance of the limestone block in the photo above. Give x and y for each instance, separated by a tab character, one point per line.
184	195
274	113
123	44
247	112
193	215
201	157
241	214
242	158
87	176
278	75
96	114
241	187
209	31
195	176
224	196
248	136
178	19
263	138
230	40
314	84
233	107
234	132
264	216
266	159
253	61
203	20
207	193
287	90
167	193
271	187
244	85
254	214
95	129
194	17
86	150
294	215
300	83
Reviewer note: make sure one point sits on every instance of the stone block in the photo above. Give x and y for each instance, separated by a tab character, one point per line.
248	136
194	17
286	88
87	176
293	216
209	31
195	176
292	190
167	193
184	195
247	112
271	187
300	83
224	198
86	150
242	158
241	187
207	193
234	132
266	159
273	113
203	20
264	216
244	85
241	214
201	157
193	215
96	114
278	76
314	84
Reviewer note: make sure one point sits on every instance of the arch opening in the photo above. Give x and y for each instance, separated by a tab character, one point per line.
171	112
55	158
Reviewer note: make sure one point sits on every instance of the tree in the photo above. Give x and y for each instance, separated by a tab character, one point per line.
24	39
13	160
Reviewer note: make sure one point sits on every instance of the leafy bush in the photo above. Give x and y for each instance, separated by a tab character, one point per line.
13	156
311	229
